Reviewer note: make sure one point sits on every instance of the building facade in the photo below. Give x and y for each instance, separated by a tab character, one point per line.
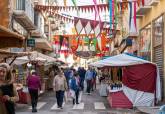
151	40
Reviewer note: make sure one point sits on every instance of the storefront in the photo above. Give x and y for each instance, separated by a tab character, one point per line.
145	43
151	25
158	56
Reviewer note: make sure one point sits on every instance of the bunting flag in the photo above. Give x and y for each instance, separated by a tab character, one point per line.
97	30
84	8
89	25
79	26
88	28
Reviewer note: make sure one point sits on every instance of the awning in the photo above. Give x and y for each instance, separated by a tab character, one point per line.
9	38
42	43
35	56
6	54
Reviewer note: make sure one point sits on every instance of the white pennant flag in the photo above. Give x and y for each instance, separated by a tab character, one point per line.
79	27
88	28
97	30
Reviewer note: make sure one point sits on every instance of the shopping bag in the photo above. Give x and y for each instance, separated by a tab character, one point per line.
72	93
25	89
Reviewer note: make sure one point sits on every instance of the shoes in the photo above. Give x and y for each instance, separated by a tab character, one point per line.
60	107
34	110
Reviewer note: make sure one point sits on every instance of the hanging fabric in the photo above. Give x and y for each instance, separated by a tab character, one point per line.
116	13
110	11
130	4
113	14
135	15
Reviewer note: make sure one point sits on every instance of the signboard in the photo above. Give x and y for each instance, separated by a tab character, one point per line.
31	42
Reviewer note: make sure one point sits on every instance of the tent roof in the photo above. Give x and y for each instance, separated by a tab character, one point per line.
120	60
34	56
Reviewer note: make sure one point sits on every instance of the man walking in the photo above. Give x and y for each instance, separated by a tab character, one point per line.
88	78
60	86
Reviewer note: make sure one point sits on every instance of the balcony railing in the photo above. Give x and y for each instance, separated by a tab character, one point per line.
27	7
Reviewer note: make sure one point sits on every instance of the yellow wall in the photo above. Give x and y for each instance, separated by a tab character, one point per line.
4	13
152	14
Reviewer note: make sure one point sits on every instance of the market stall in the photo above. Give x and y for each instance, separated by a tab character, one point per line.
38	61
140	81
4	56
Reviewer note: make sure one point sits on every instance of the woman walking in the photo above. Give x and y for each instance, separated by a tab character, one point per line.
60	86
8	93
75	87
34	85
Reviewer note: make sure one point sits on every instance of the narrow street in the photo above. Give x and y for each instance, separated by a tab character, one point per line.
90	104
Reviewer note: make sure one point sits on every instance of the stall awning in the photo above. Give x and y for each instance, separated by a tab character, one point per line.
42	43
9	38
6	54
35	56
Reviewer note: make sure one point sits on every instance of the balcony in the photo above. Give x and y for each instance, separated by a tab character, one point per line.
24	14
142	10
154	2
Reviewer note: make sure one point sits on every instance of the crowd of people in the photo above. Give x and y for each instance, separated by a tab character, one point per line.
69	80
72	81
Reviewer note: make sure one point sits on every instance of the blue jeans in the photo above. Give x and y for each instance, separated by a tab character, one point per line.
89	86
59	97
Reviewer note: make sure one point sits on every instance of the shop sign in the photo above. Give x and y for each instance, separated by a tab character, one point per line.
31	42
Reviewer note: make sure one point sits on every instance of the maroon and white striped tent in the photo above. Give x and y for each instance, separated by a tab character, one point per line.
141	81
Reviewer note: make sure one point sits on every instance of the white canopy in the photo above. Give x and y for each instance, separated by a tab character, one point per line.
34	56
119	60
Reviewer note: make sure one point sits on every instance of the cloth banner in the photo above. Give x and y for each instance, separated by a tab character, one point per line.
139	98
137	76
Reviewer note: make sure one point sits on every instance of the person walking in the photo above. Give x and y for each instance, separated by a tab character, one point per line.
75	86
88	78
81	72
60	86
8	92
94	79
34	85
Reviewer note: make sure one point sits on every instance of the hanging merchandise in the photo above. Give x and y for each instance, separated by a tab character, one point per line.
65	2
